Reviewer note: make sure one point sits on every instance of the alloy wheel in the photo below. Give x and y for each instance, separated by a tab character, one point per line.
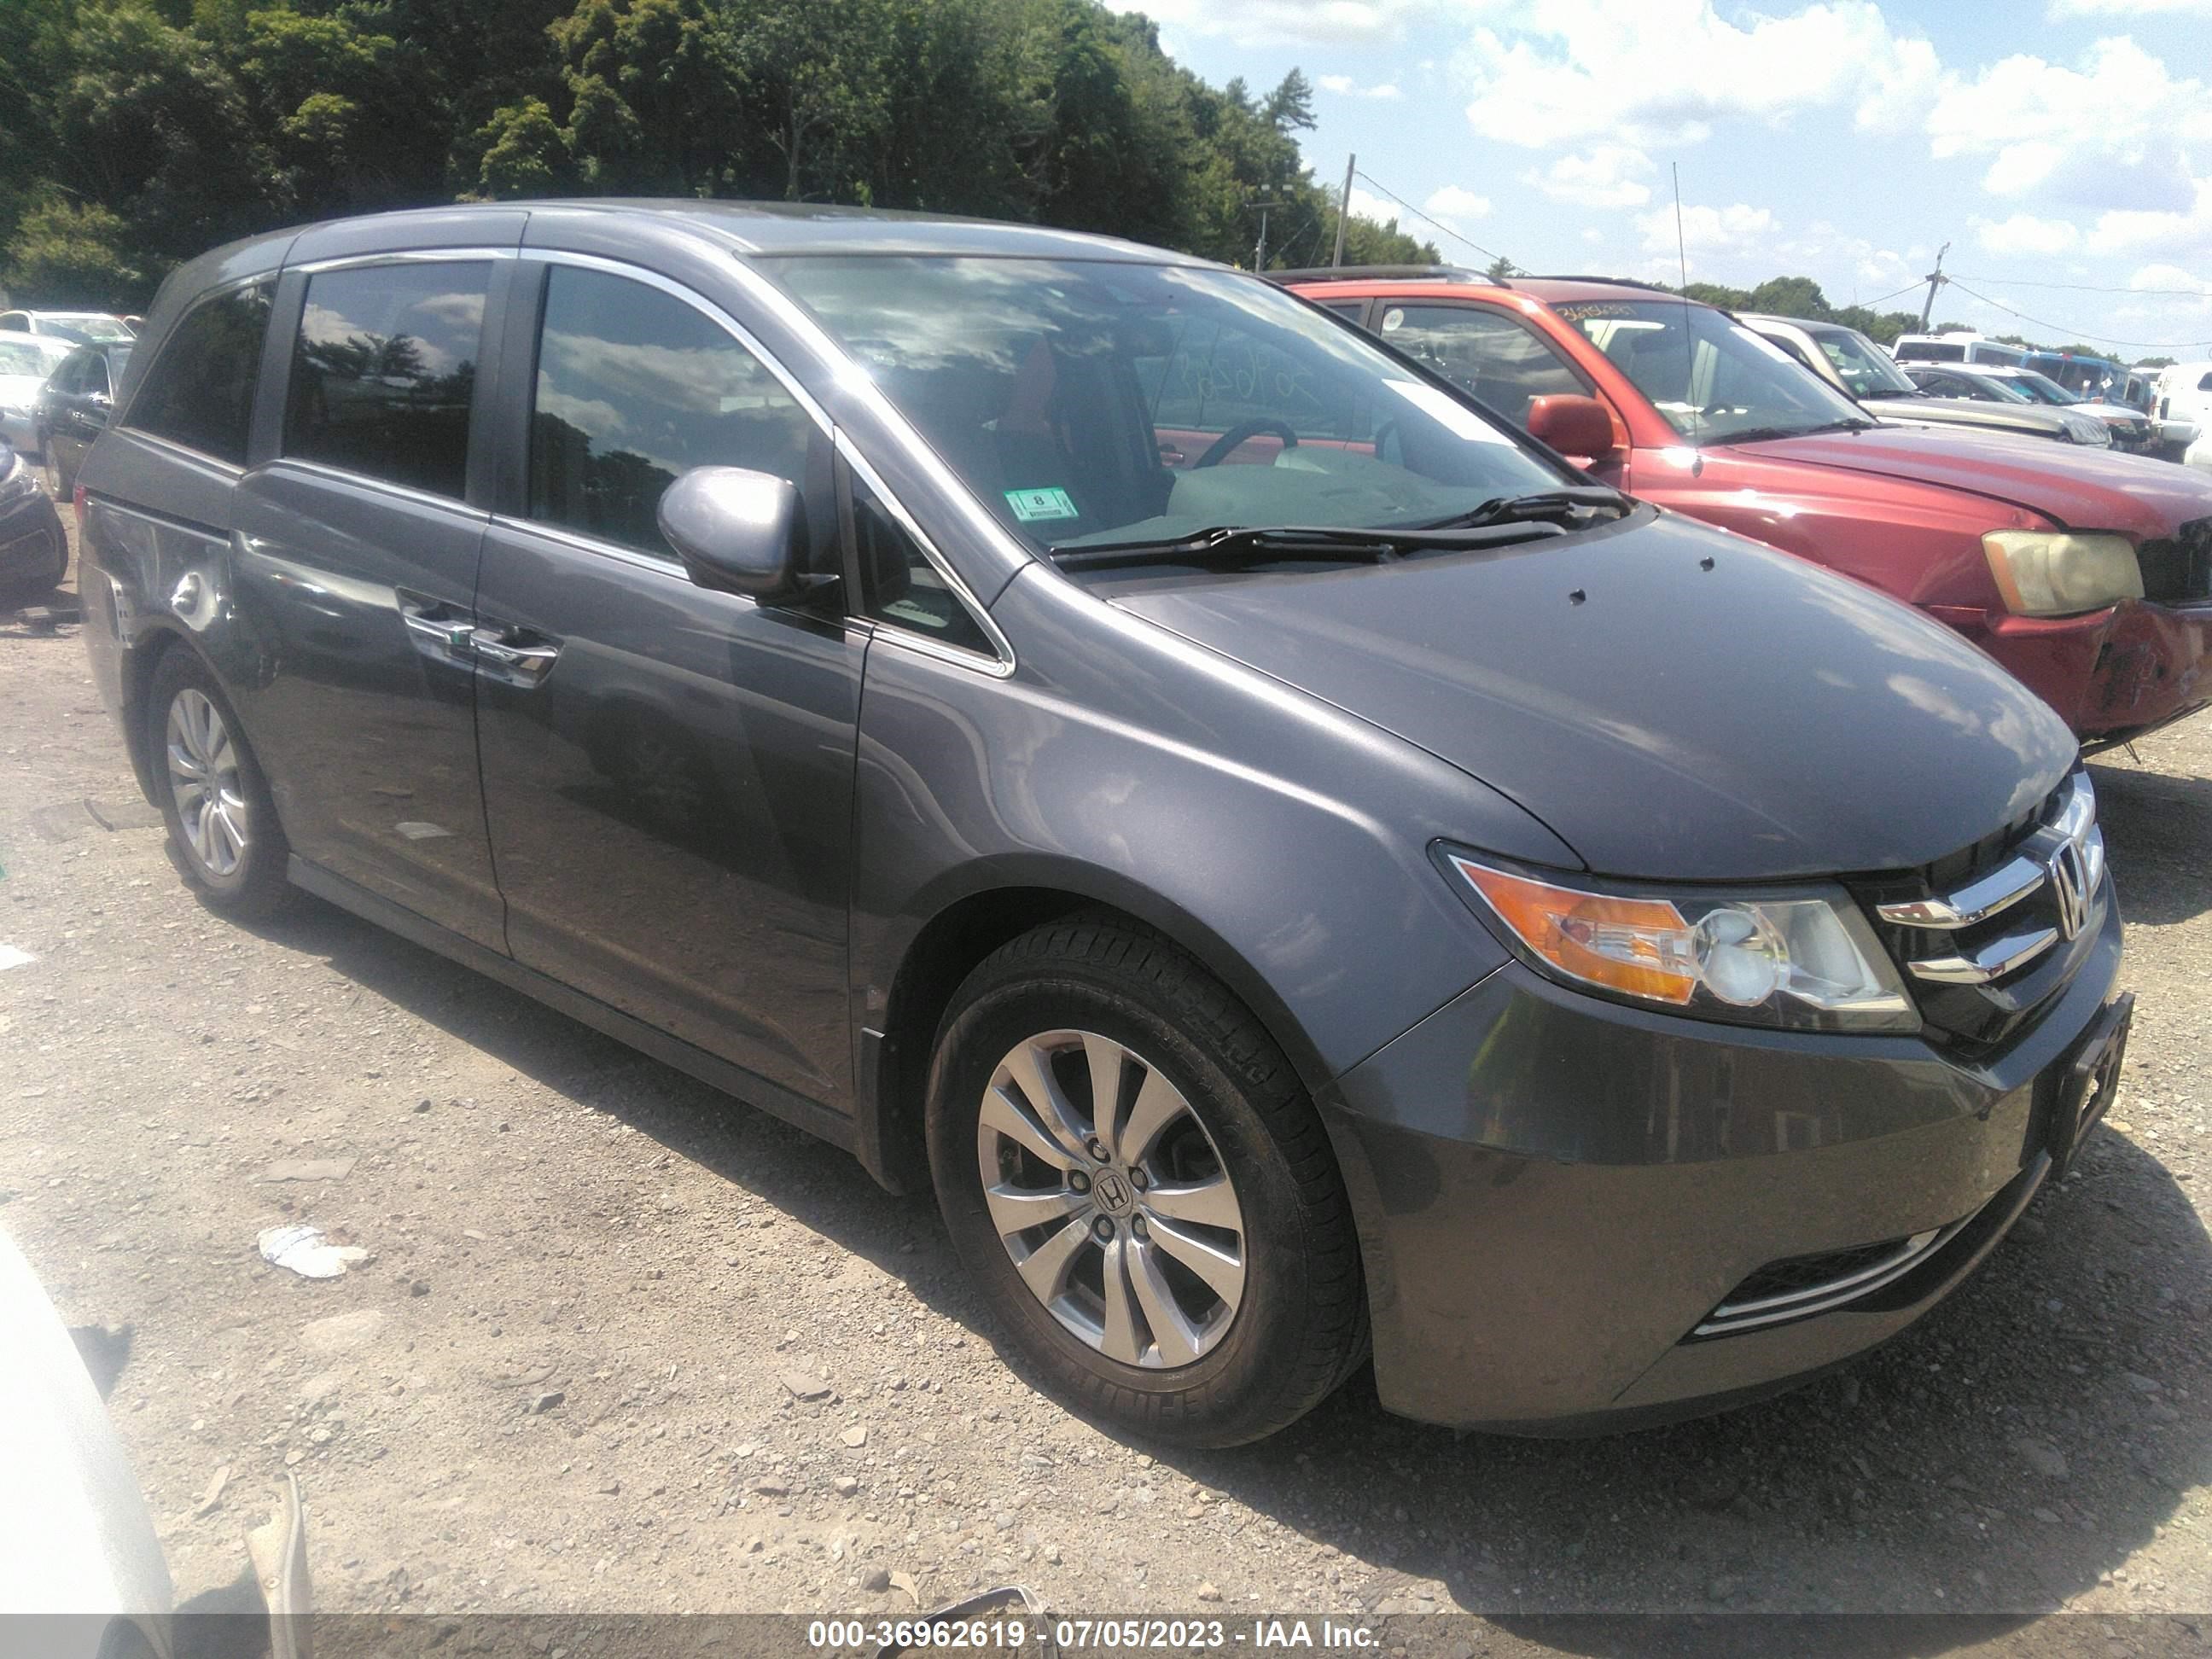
1111	1199
203	778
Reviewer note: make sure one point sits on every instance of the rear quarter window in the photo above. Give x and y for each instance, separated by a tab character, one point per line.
384	371
199	391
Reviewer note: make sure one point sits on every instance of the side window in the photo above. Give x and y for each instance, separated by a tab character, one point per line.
1484	352
200	390
635	387
901	586
63	381
91	376
15	322
1354	309
385	370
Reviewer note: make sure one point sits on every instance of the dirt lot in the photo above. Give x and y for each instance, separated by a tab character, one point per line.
625	1345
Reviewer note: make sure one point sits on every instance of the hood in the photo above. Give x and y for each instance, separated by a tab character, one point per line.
1966	412
2073	485
1760	718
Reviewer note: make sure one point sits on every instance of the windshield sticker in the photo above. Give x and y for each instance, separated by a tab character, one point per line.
1031	505
1392	320
1582	310
1448	412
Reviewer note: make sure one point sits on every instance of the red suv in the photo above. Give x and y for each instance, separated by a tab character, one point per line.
2086	573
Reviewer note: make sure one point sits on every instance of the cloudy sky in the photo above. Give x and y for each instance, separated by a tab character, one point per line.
2064	148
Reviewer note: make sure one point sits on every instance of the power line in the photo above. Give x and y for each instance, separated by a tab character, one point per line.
2077	333
1868	304
1425	218
2096	287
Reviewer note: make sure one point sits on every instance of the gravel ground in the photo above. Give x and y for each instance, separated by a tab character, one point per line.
624	1345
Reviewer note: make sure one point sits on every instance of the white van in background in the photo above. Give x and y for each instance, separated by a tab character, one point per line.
2185	394
1957	347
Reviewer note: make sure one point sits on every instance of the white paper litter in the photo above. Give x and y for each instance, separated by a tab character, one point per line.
303	1250
12	958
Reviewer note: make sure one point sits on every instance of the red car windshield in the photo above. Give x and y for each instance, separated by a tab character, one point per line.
1714	380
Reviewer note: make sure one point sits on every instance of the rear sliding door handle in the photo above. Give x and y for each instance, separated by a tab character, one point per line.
517	653
438	628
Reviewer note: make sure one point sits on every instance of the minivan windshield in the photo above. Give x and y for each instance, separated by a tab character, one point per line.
1105	402
1715	380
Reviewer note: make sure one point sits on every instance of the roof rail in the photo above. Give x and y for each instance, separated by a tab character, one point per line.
1377	273
1614	282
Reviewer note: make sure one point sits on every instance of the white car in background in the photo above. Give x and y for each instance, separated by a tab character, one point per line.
2185	398
77	327
26	360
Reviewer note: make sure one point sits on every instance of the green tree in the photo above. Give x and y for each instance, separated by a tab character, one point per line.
655	89
63	254
523	152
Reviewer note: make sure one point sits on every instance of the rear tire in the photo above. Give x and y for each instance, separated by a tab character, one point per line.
222	824
1184	1268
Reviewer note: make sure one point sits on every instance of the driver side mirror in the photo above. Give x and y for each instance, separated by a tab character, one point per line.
741	532
1575	426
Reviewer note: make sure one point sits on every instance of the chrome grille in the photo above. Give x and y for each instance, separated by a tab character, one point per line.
1984	946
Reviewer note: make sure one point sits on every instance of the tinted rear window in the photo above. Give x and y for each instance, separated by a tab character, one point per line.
384	373
200	390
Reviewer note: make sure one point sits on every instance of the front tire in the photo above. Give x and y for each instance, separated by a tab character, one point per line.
1180	1262
223	823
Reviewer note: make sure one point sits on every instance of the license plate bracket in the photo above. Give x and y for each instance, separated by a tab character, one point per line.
2090	1080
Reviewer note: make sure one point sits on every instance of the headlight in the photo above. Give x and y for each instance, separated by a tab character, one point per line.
15	478
1805	959
2094	433
2056	573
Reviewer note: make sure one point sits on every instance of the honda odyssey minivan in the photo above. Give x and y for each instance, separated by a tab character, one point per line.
1302	871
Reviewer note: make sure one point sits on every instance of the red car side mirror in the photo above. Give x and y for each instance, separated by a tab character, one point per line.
1580	427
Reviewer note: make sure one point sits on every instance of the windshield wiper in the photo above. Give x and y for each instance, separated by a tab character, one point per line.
1231	544
1551	506
1754	434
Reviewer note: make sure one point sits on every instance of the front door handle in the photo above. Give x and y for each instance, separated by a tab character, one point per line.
520	653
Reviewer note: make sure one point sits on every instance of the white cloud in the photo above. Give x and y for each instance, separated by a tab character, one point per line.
1346	86
1706	228
1312	22
1381	208
2110	134
2025	233
1608	176
2180	235
1662	72
2062	9
1453	203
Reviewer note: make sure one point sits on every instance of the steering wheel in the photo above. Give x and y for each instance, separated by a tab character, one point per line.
1225	445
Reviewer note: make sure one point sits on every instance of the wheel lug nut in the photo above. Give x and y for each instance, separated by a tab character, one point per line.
1137	1226
1139	1180
1097	1150
1078	1181
1101	1229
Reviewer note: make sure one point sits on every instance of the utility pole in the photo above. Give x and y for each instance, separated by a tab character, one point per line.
1343	208
1260	248
1935	280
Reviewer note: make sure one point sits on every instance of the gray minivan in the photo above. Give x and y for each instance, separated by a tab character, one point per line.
1300	870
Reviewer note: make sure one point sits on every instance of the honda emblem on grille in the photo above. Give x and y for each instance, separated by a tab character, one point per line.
2069	885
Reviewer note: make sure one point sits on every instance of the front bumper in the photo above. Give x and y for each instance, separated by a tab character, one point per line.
31	538
1554	1191
2111	675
